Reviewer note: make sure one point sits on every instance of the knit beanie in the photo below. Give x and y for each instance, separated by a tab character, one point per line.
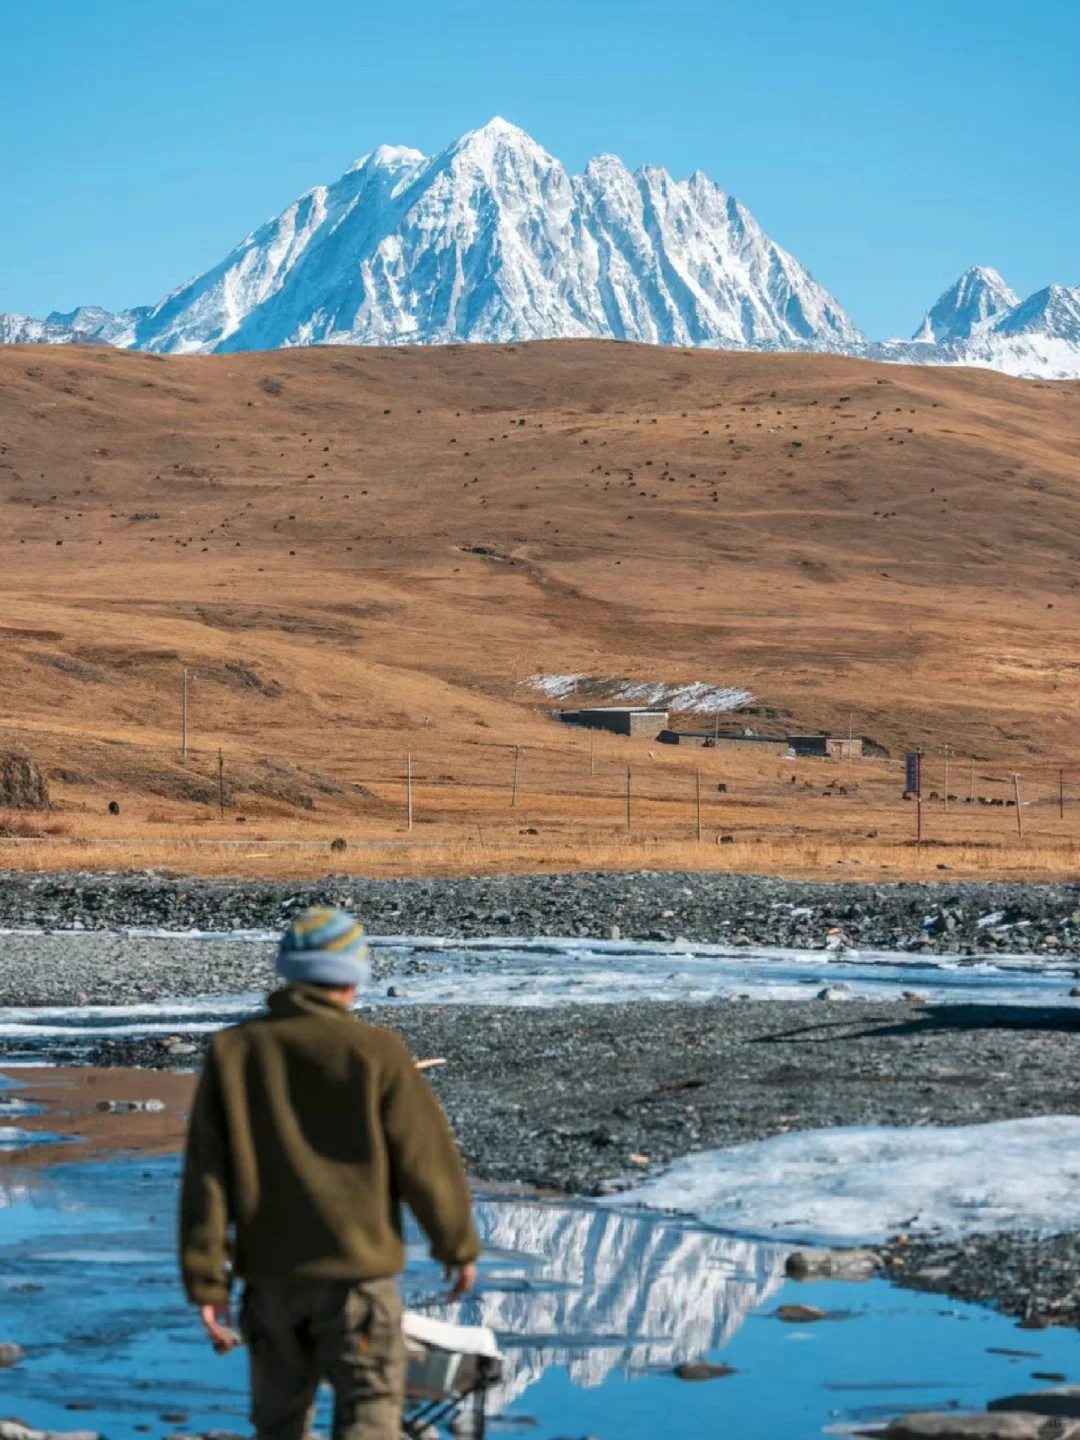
324	946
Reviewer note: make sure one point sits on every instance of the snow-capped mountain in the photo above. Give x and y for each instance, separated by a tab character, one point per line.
979	295
493	240
1037	338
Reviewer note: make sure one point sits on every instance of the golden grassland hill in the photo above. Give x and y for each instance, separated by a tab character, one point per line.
359	553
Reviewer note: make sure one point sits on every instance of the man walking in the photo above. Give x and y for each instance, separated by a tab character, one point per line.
308	1131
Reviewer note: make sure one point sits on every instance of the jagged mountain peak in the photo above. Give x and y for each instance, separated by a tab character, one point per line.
491	239
1053	312
978	296
496	141
388	157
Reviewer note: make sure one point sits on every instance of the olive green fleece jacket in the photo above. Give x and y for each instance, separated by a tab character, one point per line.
308	1131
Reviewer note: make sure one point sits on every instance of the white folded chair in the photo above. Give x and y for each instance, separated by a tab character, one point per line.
449	1366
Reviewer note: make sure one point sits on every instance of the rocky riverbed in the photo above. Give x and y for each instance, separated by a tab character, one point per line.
943	918
587	1098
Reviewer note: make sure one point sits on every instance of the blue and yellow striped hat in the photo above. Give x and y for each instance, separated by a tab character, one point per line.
324	946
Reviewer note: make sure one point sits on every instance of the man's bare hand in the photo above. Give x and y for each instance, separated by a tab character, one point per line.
463	1278
217	1321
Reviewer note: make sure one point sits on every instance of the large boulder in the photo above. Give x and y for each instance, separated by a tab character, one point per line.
1063	1400
22	784
1003	1426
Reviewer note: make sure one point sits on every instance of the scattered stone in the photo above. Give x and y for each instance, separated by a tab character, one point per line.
338	845
832	1264
176	1045
10	1354
915	997
800	1314
834	992
702	1370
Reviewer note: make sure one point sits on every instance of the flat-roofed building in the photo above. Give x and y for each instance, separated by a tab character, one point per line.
637	720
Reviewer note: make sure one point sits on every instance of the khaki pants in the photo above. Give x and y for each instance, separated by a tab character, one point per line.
349	1334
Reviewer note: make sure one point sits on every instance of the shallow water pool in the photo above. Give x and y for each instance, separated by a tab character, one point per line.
592	1308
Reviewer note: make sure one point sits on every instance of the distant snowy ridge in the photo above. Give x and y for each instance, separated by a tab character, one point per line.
979	321
493	240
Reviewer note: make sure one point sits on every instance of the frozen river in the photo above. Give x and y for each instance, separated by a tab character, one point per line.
411	971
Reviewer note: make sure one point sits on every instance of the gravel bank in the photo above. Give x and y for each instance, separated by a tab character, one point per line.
1034	1278
946	918
563	1098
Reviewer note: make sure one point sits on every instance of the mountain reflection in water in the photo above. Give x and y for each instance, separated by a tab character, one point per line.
607	1292
593	1308
564	1285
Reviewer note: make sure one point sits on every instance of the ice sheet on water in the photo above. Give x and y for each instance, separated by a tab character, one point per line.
550	972
863	1184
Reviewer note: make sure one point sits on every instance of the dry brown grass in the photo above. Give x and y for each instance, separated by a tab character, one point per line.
388	859
311	559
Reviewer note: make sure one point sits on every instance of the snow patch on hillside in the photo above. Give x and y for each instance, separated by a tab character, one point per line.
609	690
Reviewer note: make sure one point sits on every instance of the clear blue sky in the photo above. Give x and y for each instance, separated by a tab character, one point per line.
888	144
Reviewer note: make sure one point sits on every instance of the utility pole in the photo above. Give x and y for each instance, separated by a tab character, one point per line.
184	712
628	797
408	792
220	781
918	800
971	792
1019	818
1061	793
697	779
592	755
946	777
517	759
